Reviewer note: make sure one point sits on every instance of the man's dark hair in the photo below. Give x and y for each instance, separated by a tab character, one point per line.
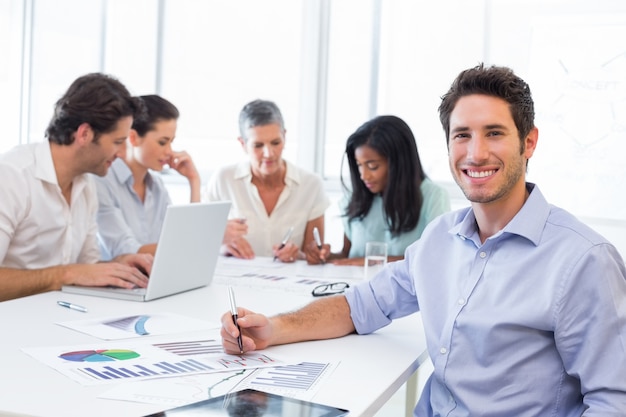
97	99
493	81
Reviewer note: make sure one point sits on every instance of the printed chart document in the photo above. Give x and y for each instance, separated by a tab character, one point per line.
263	273
128	326
138	359
301	381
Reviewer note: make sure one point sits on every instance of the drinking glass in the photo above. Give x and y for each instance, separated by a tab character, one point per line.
375	258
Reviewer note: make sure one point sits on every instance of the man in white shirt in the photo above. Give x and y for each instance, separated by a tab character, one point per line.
49	203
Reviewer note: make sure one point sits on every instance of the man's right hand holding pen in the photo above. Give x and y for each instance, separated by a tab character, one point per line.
257	328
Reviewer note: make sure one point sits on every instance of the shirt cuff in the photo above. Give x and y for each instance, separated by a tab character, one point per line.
364	311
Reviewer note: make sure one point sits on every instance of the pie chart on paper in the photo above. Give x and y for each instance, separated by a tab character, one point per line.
104	355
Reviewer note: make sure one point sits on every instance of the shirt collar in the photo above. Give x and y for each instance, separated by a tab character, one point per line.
44	167
292	176
121	171
529	222
124	175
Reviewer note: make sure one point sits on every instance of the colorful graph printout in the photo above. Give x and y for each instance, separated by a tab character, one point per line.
114	363
99	355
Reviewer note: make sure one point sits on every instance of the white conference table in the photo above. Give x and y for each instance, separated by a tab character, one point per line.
371	367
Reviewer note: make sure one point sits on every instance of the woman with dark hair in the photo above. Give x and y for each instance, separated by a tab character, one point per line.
132	198
390	199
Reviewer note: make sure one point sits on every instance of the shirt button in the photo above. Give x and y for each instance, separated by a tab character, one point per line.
443	350
461	301
483	255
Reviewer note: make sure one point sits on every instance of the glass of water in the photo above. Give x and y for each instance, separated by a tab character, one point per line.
375	258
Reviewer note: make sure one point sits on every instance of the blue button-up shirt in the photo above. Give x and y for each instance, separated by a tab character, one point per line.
532	322
125	223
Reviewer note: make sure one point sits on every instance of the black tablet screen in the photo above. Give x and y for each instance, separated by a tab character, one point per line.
252	403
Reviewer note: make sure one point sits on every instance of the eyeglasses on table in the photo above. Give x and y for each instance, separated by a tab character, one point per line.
330	289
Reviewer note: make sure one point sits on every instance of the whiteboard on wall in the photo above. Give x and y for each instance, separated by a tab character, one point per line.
577	76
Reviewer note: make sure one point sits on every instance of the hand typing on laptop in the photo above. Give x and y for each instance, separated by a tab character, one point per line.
125	271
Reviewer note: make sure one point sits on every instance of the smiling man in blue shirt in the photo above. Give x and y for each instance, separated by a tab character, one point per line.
524	309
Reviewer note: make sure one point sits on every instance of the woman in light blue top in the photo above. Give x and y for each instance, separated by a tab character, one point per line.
390	200
132	196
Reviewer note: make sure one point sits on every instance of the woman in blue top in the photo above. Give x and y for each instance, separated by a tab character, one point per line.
391	199
132	197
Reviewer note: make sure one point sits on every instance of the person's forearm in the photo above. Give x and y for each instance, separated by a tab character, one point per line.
326	318
148	248
333	256
15	283
195	193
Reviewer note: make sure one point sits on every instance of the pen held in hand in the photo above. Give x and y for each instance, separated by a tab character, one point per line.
318	241
285	240
233	312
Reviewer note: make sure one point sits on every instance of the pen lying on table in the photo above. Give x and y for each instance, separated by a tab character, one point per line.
285	240
71	306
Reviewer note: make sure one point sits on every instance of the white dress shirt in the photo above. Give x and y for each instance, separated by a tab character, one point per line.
302	200
38	229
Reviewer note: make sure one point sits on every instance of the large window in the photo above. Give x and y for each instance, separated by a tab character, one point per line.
65	44
331	65
397	58
217	56
208	58
11	65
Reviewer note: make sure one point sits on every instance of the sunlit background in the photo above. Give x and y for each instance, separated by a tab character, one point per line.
332	64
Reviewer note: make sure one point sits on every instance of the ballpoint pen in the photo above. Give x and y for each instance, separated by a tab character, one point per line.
318	241
76	307
285	240
233	312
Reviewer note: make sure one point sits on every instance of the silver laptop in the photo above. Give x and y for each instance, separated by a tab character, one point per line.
186	255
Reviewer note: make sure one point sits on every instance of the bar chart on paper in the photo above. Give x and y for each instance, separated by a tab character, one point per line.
300	381
294	380
162	368
108	363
